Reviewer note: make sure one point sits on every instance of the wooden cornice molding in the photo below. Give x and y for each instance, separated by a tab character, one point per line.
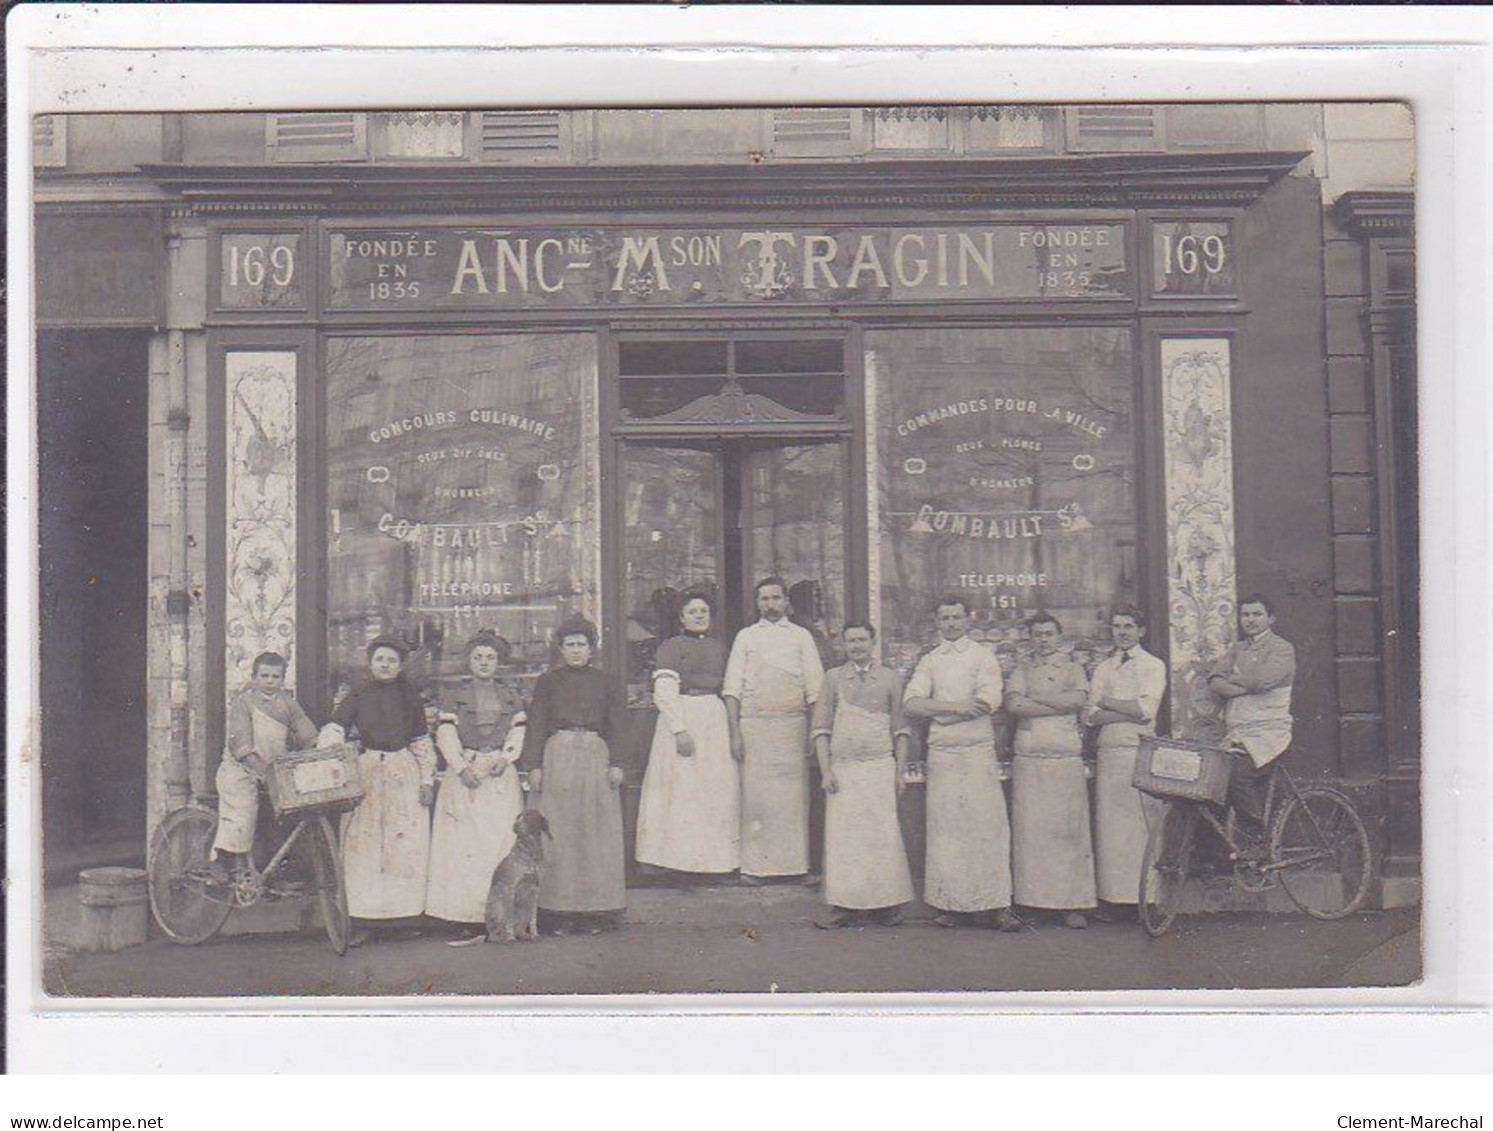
1069	181
1367	213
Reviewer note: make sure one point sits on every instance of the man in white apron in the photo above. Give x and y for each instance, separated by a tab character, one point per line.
1123	700
264	721
862	749
956	687
772	680
1052	848
1254	678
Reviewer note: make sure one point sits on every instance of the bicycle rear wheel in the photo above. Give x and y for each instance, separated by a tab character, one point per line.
186	904
331	892
1164	865
1320	850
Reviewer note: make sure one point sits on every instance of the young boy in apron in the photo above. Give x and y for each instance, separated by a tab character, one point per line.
264	722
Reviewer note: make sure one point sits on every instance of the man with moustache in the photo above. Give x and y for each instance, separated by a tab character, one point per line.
772	681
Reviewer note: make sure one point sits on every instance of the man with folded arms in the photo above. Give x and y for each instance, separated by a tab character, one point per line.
956	687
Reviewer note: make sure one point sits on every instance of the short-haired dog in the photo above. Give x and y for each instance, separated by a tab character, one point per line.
513	897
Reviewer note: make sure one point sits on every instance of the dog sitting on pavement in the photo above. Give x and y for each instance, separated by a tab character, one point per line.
513	897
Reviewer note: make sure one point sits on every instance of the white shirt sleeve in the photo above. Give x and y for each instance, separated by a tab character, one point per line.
736	667
920	686
813	668
1152	680
1097	692
666	699
448	742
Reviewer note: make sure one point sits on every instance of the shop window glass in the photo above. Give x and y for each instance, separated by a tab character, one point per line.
460	496
1004	471
671	543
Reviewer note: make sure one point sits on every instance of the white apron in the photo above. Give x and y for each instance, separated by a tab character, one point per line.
1052	851
865	861
238	789
969	837
775	795
689	816
386	839
471	832
1122	816
775	777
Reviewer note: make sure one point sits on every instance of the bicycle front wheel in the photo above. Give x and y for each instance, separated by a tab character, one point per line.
331	892
1320	850
1164	865
185	901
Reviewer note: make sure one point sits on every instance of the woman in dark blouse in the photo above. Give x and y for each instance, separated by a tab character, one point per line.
689	818
568	751
386	839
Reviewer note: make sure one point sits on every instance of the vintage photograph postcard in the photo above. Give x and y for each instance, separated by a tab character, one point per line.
806	548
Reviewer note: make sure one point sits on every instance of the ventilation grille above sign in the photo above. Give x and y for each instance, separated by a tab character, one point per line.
1113	128
49	140
817	132
317	137
518	133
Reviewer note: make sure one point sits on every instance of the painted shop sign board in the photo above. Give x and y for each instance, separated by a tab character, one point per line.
565	268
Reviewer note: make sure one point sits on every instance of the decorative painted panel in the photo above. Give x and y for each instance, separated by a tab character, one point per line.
1201	582
260	511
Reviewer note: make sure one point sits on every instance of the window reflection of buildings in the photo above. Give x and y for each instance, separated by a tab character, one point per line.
377	578
1088	370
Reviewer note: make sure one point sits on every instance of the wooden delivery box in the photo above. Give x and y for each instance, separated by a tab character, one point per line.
1177	768
308	779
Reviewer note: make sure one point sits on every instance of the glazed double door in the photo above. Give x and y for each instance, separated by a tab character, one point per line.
719	515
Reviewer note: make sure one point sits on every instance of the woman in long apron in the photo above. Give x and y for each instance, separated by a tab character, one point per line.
386	839
479	734
568	752
689	817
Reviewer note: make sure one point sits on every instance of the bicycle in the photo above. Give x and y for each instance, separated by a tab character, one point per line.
191	903
1317	848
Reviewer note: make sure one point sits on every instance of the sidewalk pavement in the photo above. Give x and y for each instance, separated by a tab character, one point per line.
748	940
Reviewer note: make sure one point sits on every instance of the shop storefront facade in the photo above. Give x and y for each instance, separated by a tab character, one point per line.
424	398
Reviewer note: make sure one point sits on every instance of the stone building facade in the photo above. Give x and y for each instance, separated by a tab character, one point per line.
307	377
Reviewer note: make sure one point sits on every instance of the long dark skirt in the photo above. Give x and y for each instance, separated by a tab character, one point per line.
583	866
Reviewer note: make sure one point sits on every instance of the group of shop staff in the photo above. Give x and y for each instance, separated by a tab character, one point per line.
727	786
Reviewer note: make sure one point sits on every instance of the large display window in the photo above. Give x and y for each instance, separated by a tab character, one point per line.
1003	470
461	495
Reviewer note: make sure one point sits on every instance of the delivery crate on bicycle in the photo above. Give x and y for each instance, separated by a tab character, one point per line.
1176	768
309	779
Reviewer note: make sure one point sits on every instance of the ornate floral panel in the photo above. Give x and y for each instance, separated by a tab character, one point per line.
260	520
1201	590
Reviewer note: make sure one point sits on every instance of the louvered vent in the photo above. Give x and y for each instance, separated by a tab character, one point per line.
518	133
317	137
49	140
1113	127
816	132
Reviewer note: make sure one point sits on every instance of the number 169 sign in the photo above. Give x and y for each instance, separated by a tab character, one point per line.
260	271
1193	257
